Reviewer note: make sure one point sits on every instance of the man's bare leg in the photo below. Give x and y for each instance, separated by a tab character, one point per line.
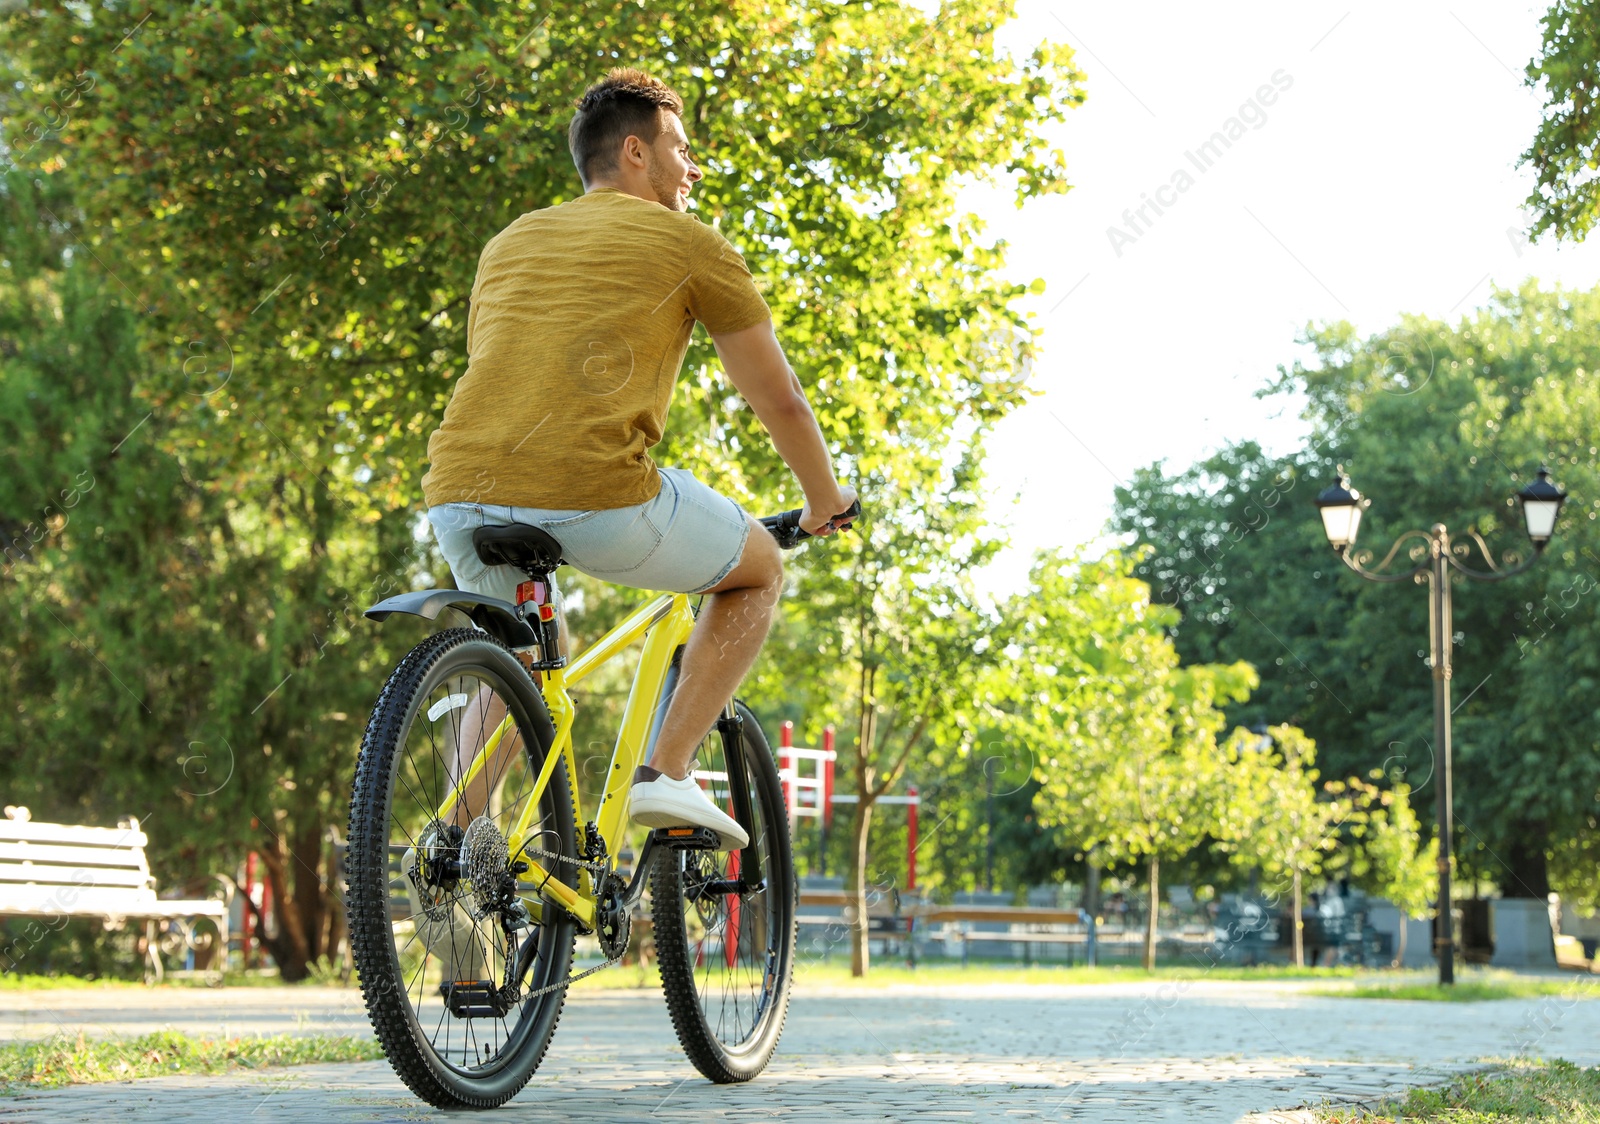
726	639
481	719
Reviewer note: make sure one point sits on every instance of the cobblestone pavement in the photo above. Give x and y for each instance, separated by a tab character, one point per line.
1201	1052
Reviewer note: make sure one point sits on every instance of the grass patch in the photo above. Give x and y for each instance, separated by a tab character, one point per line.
1524	1090
813	973
65	1060
11	981
1472	989
323	974
1346	982
946	972
809	972
828	973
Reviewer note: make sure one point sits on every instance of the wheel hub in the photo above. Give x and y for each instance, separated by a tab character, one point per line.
697	873
436	869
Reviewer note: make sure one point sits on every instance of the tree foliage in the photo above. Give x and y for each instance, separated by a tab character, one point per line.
178	644
1390	857
288	204
1436	423
1276	820
1565	153
1130	769
907	644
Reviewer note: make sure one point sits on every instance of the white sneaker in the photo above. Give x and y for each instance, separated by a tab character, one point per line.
656	800
444	928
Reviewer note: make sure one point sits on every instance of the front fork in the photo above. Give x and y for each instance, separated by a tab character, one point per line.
731	727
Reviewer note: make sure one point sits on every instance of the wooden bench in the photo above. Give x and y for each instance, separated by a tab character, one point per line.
57	871
885	921
1041	925
881	909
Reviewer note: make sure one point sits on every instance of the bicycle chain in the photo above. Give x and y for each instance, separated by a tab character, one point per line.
569	980
568	860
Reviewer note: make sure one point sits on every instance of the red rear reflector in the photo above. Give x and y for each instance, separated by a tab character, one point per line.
527	591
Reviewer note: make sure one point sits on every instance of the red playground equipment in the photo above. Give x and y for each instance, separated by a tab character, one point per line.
813	795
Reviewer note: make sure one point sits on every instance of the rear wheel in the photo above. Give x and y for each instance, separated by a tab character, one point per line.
727	953
451	939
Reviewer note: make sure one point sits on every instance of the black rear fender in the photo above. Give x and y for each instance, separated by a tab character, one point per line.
496	617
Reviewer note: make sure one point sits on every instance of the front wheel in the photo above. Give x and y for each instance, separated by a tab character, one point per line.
725	923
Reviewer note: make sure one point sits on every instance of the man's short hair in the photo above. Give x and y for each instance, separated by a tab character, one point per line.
626	102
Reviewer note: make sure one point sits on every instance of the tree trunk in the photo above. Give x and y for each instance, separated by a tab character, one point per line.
279	945
1155	912
1298	940
1400	942
1091	907
859	949
866	732
310	891
299	902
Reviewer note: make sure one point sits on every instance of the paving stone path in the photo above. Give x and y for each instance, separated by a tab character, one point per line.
1199	1052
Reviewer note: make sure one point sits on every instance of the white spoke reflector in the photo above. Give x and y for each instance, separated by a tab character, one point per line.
449	702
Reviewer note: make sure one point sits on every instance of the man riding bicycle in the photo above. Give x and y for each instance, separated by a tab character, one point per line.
580	318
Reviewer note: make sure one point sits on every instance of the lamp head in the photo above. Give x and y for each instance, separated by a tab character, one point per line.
1541	504
1341	508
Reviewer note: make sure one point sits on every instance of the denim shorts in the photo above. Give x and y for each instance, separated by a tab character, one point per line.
686	540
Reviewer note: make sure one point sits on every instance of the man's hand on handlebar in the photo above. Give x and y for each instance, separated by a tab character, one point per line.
785	526
834	514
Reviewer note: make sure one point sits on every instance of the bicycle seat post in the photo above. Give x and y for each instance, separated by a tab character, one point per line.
537	554
536	604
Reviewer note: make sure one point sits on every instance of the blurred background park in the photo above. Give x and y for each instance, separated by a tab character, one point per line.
1090	320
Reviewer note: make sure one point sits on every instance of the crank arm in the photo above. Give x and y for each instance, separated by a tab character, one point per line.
641	867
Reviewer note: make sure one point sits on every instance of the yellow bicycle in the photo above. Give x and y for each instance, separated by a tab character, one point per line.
472	870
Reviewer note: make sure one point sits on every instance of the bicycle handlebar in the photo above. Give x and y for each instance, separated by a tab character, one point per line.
785	526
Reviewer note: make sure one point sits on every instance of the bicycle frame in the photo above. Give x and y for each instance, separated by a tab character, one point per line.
664	624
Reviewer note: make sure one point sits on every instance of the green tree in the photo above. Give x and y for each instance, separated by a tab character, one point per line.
1389	857
1573	863
906	638
1129	765
1436	423
178	651
294	201
1276	821
1566	147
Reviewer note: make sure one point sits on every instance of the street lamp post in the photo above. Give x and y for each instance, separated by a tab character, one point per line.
1435	555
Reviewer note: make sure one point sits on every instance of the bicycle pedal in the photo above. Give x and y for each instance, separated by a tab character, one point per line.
686	838
473	999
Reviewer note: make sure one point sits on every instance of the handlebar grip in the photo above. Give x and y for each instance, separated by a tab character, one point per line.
785	526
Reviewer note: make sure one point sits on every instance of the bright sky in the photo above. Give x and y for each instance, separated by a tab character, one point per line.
1382	180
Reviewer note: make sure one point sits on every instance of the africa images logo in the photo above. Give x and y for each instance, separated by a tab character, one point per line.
1203	157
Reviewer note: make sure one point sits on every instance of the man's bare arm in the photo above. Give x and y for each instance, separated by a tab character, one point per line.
756	366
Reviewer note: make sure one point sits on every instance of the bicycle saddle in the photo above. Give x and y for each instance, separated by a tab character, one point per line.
527	548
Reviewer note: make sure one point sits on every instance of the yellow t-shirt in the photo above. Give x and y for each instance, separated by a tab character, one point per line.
580	318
